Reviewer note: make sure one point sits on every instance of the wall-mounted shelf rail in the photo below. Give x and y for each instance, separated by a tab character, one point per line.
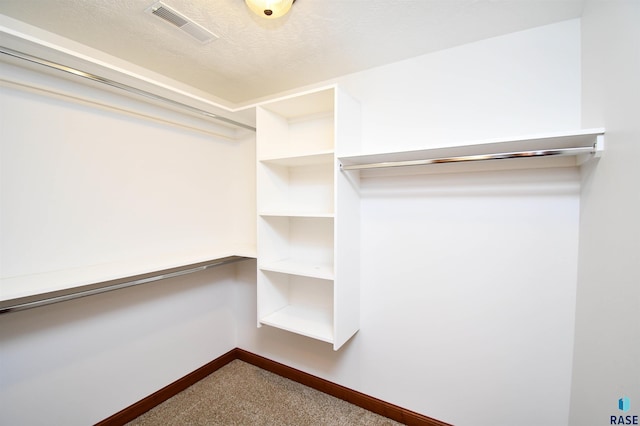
124	87
36	300
582	144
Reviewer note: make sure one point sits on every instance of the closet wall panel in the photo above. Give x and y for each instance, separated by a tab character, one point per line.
87	183
468	278
89	179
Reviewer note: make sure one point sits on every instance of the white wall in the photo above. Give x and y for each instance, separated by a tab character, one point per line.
79	362
506	86
607	347
468	289
85	184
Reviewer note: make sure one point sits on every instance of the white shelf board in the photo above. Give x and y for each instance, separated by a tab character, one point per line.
319	157
548	141
290	213
296	267
35	284
314	323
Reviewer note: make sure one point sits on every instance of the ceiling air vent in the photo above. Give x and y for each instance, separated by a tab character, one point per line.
177	19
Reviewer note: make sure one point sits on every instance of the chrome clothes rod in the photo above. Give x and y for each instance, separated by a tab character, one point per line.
479	157
35	301
33	59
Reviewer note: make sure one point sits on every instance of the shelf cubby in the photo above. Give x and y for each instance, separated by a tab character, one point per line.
300	304
297	185
303	241
296	126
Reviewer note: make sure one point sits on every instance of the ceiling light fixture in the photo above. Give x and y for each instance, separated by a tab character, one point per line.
270	9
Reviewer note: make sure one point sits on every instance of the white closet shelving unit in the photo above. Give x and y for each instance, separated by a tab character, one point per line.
308	215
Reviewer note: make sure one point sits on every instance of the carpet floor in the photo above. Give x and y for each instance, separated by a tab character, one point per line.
242	394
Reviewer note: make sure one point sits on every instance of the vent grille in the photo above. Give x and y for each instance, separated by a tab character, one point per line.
180	21
169	16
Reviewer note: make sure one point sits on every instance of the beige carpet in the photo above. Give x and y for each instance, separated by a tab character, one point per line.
242	394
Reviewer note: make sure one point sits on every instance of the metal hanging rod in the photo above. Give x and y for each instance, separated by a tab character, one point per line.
33	59
30	302
470	158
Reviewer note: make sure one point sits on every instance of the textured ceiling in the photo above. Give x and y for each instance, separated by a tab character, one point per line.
254	57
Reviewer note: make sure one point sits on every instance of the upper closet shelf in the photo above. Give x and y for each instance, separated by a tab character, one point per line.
582	145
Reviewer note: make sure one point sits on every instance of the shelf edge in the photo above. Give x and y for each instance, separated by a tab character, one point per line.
500	148
270	321
48	298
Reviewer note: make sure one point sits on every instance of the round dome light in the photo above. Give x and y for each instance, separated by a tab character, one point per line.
270	9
